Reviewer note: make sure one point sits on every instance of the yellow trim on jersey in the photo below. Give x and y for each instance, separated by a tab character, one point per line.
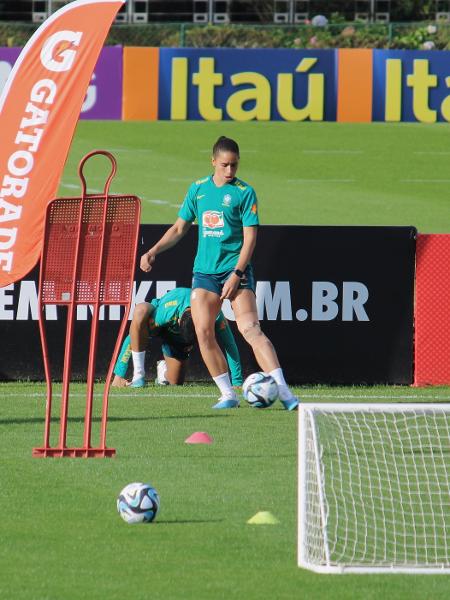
171	303
126	355
240	184
199	181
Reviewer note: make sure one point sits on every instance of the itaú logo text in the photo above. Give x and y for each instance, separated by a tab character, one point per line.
252	102
423	85
57	53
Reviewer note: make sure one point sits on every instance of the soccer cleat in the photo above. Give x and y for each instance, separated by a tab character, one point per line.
227	403
290	404
138	383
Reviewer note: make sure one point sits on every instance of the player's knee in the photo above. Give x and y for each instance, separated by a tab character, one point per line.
205	335
140	314
251	332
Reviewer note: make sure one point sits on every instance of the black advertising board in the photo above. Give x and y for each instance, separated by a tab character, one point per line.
352	302
337	303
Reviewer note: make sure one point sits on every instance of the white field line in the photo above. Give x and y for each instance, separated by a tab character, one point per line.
243	151
324	151
321	180
131	150
375	397
432	152
154	392
425	180
137	394
73	186
161	202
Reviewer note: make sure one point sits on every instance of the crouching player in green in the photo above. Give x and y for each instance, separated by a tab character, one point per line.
169	318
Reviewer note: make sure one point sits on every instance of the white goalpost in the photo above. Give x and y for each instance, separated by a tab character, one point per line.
374	488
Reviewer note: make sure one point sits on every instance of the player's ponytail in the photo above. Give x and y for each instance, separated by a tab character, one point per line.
225	144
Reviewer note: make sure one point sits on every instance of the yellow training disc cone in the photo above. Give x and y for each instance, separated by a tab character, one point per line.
263	518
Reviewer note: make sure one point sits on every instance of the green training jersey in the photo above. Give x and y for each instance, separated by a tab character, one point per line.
163	322
168	310
221	213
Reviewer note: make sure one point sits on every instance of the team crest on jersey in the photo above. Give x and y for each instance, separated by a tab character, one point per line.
212	219
226	201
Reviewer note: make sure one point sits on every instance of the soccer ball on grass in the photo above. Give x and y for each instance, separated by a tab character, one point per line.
138	503
260	390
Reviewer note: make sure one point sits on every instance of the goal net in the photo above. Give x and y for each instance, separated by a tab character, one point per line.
374	488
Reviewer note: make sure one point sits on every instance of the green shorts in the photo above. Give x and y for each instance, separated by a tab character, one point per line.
215	282
178	352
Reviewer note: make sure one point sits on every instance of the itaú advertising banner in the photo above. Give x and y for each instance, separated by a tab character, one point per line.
337	303
411	86
39	109
103	98
244	85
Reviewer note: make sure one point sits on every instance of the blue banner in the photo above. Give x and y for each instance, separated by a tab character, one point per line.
244	85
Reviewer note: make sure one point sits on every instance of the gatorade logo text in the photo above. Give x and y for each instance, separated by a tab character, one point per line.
57	54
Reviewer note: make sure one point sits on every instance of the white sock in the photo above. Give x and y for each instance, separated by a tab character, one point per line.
283	389
224	384
161	370
277	374
138	364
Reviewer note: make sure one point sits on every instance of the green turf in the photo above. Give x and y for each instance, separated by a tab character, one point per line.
62	538
304	173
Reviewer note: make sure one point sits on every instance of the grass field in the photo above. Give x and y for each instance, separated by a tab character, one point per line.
61	537
310	173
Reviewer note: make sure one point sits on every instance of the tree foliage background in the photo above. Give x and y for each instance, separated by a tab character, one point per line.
400	10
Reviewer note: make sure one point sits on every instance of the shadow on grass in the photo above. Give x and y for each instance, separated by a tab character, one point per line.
186	521
25	420
162	417
236	456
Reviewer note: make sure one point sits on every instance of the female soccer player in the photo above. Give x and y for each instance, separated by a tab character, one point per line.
226	210
169	318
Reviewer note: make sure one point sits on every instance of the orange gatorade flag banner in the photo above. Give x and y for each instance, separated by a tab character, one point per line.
39	109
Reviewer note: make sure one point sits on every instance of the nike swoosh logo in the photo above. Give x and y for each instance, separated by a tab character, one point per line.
200	197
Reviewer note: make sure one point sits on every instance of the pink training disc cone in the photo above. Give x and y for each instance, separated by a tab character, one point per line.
199	437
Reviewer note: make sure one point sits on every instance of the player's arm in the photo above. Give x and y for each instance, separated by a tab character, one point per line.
227	342
232	283
172	236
